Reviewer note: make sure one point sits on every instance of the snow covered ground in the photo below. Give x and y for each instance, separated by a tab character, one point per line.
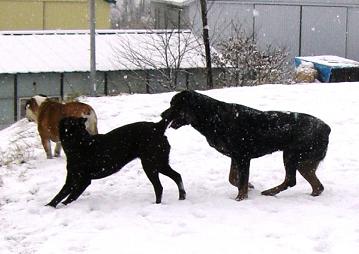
118	215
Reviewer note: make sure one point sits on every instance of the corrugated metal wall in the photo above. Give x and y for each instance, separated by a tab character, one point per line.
15	89
6	99
324	31
308	27
353	34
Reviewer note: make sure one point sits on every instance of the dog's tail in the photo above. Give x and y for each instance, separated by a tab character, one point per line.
91	123
162	126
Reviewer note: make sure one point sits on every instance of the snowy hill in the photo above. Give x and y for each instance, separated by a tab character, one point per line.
118	215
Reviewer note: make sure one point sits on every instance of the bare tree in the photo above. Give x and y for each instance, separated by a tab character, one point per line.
163	55
243	63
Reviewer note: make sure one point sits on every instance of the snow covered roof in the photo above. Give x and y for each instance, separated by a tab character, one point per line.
69	51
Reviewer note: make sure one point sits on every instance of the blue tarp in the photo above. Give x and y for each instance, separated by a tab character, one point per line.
324	71
326	64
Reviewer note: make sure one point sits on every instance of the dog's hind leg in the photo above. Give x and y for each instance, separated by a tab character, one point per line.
313	156
155	180
291	165
57	149
151	171
47	147
175	176
78	189
307	170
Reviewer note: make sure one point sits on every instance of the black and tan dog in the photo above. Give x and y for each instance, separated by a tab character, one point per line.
98	156
244	133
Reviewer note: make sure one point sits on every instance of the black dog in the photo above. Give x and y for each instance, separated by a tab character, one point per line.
244	133
97	156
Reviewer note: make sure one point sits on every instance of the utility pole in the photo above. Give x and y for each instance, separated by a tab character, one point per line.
206	43
92	24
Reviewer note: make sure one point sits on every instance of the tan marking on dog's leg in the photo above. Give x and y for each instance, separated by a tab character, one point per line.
273	191
291	165
242	192
234	178
307	170
57	149
242	167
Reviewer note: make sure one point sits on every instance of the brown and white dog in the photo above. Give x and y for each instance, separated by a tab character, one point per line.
47	113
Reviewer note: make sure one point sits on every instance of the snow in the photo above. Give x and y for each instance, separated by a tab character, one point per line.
118	215
69	50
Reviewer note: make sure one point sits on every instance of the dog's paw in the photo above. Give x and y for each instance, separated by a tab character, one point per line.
269	193
182	196
51	205
316	193
241	197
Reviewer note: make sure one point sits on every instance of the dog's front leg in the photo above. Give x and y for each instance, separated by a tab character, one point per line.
78	189
234	176
151	171
63	193
242	167
157	187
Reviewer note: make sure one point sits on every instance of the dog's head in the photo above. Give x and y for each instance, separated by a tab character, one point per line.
32	107
72	130
180	110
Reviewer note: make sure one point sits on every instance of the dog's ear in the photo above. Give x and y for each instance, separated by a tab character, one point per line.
27	103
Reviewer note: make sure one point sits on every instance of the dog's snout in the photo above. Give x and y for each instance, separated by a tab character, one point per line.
167	114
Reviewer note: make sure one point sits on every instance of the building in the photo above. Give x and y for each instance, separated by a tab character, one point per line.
51	14
303	27
57	63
